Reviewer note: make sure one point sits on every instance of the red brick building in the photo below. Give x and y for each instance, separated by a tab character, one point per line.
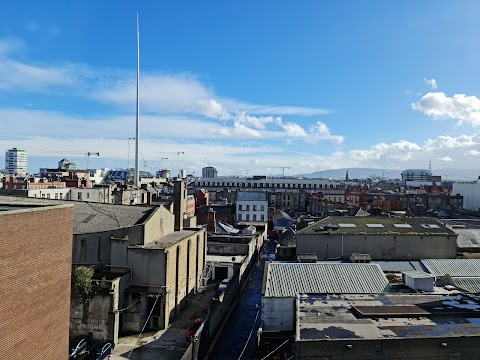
35	270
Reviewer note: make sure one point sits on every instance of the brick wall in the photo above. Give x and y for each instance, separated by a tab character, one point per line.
35	268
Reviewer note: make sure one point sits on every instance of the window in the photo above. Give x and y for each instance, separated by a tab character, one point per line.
402	225
248	207
375	225
240	207
79	196
88	195
254	217
262	217
347	225
262	208
48	196
56	195
430	226
247	217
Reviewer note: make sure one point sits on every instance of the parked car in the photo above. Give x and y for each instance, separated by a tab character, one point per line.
101	351
223	285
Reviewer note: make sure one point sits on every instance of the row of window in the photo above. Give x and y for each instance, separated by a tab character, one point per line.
267	185
246	217
254	207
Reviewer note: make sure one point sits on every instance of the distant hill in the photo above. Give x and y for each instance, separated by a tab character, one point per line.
354	173
363	173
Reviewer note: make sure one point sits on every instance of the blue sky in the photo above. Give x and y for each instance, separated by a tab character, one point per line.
243	86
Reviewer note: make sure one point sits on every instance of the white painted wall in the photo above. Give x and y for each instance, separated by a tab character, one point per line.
252	211
470	192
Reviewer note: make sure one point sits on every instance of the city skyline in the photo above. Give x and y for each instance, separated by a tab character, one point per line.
243	86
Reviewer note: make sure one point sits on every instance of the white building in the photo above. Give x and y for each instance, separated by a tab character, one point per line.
470	190
252	206
16	162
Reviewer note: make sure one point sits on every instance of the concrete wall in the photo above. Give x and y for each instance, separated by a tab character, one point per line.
253	215
183	271
380	247
278	314
98	314
160	223
35	268
222	248
465	347
148	266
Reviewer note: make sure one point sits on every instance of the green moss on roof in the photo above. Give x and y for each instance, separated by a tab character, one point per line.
329	225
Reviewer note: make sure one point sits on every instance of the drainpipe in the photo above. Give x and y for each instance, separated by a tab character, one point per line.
342	246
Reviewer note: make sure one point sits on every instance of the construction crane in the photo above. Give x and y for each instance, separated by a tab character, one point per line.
86	154
178	156
280	167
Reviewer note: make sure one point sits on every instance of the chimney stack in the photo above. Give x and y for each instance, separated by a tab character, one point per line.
179	203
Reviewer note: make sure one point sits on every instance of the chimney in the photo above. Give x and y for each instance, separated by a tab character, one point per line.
179	203
212	222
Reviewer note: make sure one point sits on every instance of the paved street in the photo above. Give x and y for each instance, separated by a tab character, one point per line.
238	327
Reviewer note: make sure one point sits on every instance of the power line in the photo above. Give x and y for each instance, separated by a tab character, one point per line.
275	349
249	336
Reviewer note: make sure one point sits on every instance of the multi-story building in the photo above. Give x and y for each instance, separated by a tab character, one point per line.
16	162
209	172
418	175
470	190
252	206
36	263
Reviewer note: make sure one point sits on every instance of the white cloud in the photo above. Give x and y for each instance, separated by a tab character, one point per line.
9	45
464	109
446	158
294	130
431	82
472	153
320	131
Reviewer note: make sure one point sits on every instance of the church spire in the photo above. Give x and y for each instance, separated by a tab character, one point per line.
346	176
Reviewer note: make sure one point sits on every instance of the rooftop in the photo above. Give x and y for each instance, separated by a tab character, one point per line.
168	240
453	267
251	196
373	225
385	316
290	279
88	217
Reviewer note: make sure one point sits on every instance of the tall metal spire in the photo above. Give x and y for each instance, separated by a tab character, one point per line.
137	137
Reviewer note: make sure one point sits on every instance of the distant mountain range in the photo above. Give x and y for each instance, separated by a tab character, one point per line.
363	173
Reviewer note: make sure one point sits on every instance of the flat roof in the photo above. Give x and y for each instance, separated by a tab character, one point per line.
167	240
386	316
370	225
290	279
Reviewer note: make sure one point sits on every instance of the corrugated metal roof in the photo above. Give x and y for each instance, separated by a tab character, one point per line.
453	267
398	266
470	284
290	279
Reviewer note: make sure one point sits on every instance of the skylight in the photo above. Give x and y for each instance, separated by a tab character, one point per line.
402	225
375	225
431	226
346	225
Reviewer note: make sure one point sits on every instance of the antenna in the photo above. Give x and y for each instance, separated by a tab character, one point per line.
137	171
430	165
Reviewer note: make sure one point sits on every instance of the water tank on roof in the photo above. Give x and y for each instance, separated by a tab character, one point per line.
166	173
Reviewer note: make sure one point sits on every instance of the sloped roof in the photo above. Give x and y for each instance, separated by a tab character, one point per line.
467	238
377	225
251	196
398	266
290	279
470	284
91	217
453	267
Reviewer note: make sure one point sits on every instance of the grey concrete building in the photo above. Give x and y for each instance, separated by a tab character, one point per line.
383	238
